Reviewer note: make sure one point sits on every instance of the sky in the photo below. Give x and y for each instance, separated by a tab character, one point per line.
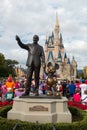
26	18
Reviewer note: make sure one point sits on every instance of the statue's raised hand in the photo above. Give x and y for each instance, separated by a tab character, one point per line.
17	38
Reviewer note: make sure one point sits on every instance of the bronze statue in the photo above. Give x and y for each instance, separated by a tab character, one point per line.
35	57
51	80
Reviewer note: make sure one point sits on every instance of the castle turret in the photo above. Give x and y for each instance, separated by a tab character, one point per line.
59	57
52	35
51	58
56	30
74	67
68	61
65	58
61	42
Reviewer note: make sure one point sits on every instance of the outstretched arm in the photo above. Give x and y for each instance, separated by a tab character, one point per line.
17	38
20	43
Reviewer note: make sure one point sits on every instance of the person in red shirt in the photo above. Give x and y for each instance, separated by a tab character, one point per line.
76	96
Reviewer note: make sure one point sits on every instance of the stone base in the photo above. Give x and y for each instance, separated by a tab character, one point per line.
40	110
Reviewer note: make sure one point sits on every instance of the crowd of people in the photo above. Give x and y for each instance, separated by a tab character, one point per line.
72	90
10	88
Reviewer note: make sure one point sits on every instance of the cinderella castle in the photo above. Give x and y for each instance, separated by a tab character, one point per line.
55	54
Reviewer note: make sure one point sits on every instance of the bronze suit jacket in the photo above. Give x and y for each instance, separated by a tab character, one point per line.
35	54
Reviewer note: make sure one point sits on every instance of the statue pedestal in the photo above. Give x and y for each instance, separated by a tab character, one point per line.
40	110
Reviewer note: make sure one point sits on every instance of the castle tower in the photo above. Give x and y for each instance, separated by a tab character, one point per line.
55	53
56	37
74	67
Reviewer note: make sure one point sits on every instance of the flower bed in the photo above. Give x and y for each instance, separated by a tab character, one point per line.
70	103
78	105
5	103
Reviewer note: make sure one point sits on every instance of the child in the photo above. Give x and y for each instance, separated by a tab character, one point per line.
9	95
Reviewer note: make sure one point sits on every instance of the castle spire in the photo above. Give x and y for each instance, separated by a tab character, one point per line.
56	31
57	22
61	38
46	42
65	56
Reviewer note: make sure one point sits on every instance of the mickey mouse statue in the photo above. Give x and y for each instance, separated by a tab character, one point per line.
51	80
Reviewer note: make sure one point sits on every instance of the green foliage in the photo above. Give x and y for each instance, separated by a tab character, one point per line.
2	59
6	124
4	110
76	114
3	65
7	66
11	63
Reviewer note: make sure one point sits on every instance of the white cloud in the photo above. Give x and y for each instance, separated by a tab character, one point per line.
26	18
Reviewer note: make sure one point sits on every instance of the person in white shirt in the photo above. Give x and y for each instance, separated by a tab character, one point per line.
83	87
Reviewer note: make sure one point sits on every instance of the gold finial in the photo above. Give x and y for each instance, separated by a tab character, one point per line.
57	23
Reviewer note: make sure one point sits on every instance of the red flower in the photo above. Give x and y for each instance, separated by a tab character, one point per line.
5	103
78	105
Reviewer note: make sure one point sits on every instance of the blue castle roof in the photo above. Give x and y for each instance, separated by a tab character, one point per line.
68	61
65	56
59	57
50	56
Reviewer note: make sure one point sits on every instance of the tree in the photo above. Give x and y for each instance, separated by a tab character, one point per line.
7	66
3	65
2	59
11	66
11	63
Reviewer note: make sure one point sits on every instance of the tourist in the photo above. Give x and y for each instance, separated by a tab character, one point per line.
4	90
9	95
77	96
41	87
83	87
19	92
72	88
10	83
77	84
64	86
17	84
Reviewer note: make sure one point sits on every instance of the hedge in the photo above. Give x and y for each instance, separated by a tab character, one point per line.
79	123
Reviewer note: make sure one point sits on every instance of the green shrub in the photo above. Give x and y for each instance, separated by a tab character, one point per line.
77	114
80	124
4	110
